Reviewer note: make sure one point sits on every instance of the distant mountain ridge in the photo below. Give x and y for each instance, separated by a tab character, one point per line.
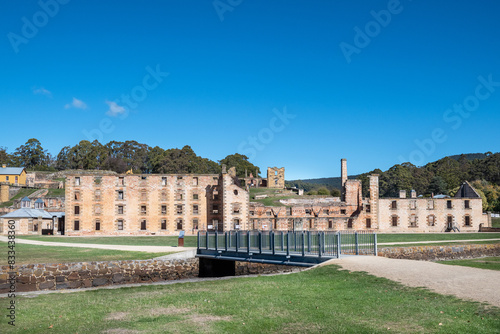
451	169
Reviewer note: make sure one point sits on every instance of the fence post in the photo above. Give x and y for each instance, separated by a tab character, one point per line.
309	241
283	241
198	240
206	239
225	240
356	242
248	242
216	240
303	244
237	241
260	242
375	243
324	241
288	244
271	242
338	245
319	244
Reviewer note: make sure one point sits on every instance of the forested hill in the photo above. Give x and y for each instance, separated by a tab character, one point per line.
440	177
335	182
120	157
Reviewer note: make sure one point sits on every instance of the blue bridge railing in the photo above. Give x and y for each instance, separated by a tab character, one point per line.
285	247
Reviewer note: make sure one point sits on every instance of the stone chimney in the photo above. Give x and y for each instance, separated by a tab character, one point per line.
343	177
413	193
402	194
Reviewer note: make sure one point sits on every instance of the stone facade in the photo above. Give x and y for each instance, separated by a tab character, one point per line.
154	204
352	211
430	214
276	177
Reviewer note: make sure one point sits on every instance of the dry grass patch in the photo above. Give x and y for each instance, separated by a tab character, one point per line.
117	316
121	331
171	310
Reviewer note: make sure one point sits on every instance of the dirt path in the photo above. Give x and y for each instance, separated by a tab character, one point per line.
464	282
149	249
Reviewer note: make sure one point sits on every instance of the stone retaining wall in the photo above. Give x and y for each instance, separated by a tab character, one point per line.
248	268
489	229
436	253
35	277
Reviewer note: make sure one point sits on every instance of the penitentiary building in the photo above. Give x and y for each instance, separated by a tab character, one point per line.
154	204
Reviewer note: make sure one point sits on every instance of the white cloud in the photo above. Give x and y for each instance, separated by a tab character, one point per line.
114	108
42	91
76	104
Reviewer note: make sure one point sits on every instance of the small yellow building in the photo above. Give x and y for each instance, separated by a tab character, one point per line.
13	175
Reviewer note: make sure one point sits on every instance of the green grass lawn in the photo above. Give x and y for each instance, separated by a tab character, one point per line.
495	222
322	300
189	241
492	263
30	254
22	193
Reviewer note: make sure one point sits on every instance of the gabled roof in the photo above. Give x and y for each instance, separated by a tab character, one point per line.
11	170
28	213
467	191
25	199
39	200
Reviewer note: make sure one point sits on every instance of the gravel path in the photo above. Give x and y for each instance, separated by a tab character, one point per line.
149	249
475	284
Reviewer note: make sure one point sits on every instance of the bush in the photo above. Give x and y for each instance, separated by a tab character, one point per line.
323	191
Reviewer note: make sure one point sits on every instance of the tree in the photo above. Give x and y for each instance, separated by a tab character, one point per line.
323	191
335	192
437	186
31	155
241	163
5	158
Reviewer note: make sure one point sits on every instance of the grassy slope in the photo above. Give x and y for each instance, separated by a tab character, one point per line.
322	300
29	254
492	263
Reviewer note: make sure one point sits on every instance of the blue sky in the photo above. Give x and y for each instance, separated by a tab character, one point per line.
299	84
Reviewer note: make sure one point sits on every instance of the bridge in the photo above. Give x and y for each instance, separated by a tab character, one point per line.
219	250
